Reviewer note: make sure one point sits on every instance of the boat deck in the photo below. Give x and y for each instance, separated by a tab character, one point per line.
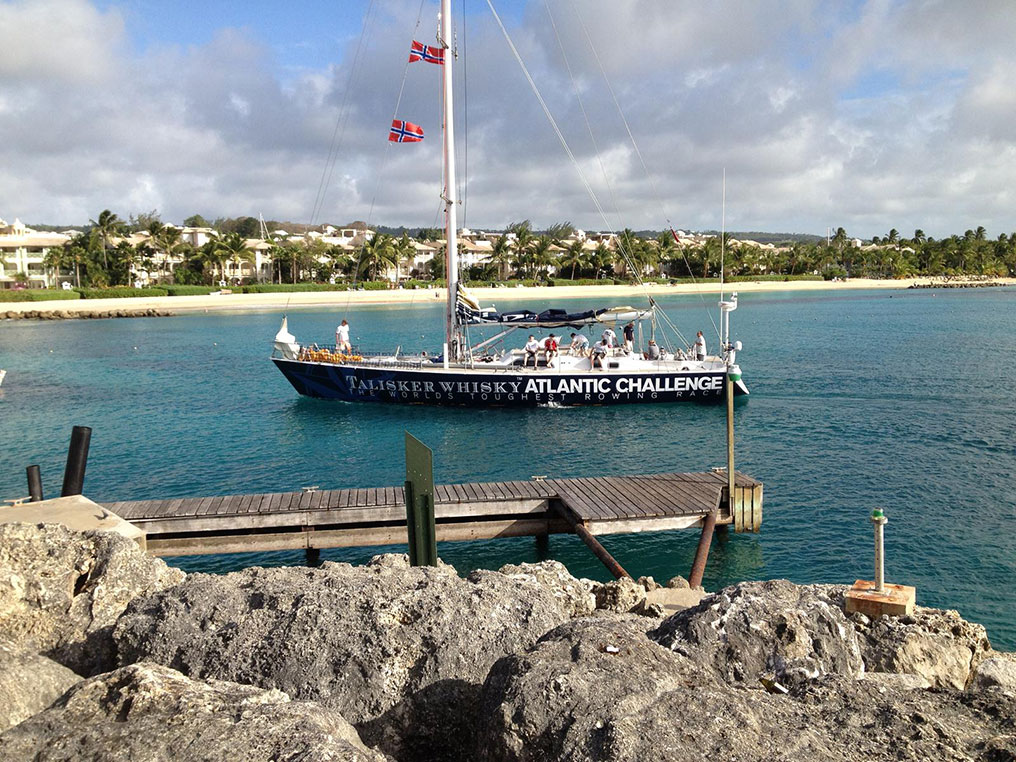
318	519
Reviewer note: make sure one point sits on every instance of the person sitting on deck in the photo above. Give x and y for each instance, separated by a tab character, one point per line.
532	347
550	348
579	345
652	351
600	349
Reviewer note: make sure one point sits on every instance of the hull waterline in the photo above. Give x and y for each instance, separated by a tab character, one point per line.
478	388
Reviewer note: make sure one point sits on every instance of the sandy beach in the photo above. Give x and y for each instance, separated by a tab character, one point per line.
610	294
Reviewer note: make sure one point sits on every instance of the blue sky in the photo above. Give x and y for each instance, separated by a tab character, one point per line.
872	114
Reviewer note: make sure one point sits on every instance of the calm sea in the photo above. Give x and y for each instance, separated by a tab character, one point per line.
897	399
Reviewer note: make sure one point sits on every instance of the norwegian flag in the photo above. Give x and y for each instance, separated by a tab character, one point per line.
420	52
405	132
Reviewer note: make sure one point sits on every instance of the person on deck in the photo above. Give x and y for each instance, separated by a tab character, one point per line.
700	346
600	349
342	338
629	337
652	351
550	348
609	337
532	347
579	345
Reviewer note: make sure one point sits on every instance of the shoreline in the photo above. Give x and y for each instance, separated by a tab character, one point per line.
410	297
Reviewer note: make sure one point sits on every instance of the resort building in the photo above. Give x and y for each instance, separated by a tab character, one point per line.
23	254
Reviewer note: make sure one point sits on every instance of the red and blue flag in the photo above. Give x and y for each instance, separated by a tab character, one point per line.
405	132
420	52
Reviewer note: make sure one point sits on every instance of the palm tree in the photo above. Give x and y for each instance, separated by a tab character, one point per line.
574	257
540	255
405	251
378	254
106	226
501	255
231	248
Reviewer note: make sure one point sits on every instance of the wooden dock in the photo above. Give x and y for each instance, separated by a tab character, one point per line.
318	519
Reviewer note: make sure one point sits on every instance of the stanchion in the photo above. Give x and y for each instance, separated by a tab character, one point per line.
77	460
34	484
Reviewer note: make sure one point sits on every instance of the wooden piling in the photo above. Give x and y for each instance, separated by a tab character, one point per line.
698	566
594	545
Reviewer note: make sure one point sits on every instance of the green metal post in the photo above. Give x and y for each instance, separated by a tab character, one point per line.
420	503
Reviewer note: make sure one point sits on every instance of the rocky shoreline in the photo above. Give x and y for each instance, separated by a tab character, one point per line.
83	314
107	653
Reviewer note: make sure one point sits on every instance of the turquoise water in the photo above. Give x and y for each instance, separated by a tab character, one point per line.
899	399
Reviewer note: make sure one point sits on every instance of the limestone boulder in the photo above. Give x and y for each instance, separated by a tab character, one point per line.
400	651
150	713
937	645
997	670
29	682
601	689
622	596
576	596
61	591
757	629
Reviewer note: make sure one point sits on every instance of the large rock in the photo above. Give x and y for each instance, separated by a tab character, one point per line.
996	671
29	682
600	689
939	646
576	596
61	591
755	629
401	652
148	712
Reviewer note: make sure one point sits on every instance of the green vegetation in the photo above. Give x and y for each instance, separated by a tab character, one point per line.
119	292
105	257
37	295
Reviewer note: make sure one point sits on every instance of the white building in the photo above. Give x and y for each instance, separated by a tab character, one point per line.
22	253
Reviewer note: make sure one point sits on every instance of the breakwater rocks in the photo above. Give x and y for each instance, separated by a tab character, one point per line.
82	314
390	662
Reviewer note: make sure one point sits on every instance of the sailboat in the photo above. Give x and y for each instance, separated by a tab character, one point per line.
489	374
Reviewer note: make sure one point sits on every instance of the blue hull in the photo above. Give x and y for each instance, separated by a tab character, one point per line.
360	383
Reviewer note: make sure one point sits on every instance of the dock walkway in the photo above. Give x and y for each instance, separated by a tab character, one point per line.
377	515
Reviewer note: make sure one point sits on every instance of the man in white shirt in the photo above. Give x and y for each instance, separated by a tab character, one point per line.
342	338
609	337
700	346
598	355
532	347
579	344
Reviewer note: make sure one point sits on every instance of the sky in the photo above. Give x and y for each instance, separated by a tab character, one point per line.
769	115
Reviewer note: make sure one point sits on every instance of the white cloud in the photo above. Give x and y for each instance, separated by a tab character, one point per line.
869	115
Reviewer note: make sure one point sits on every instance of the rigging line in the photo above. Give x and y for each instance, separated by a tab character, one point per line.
638	152
596	149
387	151
628	256
463	196
341	120
564	143
585	116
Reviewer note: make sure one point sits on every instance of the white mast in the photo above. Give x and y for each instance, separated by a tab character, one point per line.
451	224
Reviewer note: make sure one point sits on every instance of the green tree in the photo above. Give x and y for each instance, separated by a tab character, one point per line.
574	257
231	248
378	255
107	226
559	231
501	256
196	221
